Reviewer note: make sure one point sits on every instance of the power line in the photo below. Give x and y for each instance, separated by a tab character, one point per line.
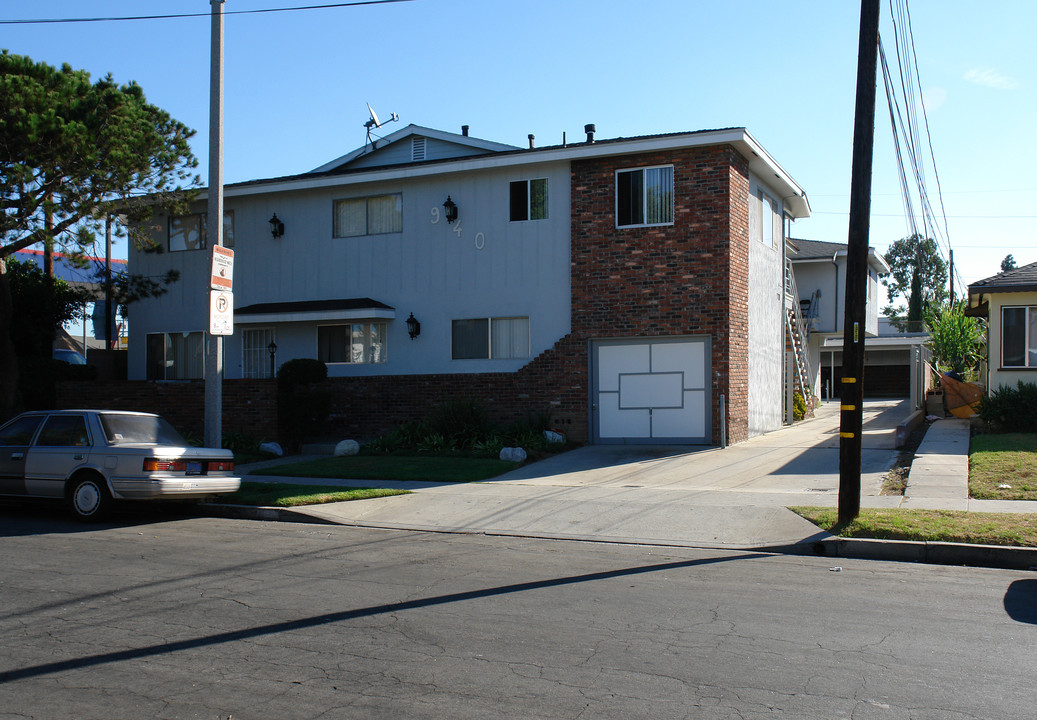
53	21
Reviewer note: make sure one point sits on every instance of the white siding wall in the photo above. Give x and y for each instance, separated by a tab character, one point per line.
432	270
766	325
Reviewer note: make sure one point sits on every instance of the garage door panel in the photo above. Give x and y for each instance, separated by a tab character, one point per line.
614	423
615	360
688	421
689	358
652	391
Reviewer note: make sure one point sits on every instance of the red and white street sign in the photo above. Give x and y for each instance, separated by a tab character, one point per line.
222	268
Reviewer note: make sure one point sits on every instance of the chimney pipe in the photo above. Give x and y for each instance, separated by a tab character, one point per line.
532	137
464	130
589	129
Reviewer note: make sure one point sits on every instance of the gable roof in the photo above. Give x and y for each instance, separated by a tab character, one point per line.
1021	279
351	169
378	146
813	250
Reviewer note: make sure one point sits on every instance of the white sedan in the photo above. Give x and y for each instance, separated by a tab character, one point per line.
91	457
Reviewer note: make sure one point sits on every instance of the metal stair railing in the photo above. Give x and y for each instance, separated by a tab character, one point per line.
795	326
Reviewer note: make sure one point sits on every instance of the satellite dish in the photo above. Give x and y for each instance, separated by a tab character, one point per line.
374	122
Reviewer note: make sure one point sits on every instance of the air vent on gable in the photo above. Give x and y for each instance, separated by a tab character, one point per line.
417	148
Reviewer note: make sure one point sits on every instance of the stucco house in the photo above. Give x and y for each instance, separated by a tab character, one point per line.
1008	302
632	287
894	361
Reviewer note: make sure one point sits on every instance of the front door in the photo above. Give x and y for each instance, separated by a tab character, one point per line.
14	446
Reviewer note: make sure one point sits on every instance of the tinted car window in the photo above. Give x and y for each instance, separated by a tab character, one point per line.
128	429
63	431
20	431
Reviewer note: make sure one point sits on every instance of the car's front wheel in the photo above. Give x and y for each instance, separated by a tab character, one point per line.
89	498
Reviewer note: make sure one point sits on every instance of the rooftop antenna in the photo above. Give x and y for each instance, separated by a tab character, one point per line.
374	122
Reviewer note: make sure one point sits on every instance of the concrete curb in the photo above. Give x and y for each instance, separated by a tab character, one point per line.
931	553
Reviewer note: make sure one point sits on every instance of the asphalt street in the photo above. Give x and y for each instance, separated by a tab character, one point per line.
174	616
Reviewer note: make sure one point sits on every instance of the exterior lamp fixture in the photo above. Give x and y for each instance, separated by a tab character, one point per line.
413	327
272	349
451	209
276	227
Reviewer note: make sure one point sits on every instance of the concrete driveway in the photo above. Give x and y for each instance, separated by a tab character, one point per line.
653	494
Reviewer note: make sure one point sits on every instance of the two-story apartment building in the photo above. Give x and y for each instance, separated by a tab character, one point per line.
633	287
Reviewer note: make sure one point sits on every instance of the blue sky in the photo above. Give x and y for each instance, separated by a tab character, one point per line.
297	84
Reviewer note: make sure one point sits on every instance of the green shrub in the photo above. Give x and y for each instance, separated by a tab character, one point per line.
799	406
301	371
1011	410
460	423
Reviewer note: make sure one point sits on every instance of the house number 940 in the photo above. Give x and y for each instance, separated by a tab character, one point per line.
480	238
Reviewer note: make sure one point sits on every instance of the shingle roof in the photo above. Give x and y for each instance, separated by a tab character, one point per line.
1021	279
813	249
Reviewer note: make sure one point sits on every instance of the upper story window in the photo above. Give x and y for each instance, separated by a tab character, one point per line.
352	343
644	196
188	232
768	220
485	338
1019	337
528	200
373	215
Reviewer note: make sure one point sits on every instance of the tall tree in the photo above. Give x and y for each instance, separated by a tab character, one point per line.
917	277
1008	263
72	152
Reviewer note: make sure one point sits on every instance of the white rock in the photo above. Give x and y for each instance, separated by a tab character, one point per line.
515	454
347	447
554	437
271	447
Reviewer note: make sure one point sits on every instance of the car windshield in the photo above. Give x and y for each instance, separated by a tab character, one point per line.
127	429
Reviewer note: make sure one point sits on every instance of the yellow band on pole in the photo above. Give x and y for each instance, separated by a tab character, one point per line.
846	435
847	407
849	381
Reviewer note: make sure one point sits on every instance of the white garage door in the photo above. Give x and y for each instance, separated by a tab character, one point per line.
651	391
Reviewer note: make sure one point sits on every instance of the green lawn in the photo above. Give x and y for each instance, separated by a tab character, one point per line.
391	467
277	494
997	460
1015	529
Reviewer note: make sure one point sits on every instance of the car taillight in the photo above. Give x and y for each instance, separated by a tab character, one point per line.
156	465
221	465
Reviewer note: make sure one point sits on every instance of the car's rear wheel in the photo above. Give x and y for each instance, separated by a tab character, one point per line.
89	498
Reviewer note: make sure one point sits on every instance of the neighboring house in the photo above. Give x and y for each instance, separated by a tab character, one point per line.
1008	302
632	287
819	271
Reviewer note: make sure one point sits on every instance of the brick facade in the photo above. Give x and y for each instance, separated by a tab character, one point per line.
690	278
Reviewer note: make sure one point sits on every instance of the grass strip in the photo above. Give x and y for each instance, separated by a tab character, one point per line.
1003	460
392	467
277	494
1013	529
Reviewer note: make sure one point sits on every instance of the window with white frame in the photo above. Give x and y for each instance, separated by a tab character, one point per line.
188	232
644	196
769	220
175	356
490	338
352	343
255	353
528	200
375	215
1019	337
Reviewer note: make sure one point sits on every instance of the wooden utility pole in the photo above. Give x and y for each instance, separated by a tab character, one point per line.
852	394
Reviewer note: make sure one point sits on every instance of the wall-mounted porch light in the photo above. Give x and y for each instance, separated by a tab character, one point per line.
276	227
272	349
451	209
413	327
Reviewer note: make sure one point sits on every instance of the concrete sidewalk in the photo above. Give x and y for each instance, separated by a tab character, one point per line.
681	496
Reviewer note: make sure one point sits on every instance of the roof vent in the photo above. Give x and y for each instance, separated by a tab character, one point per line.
531	137
589	129
464	130
417	149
